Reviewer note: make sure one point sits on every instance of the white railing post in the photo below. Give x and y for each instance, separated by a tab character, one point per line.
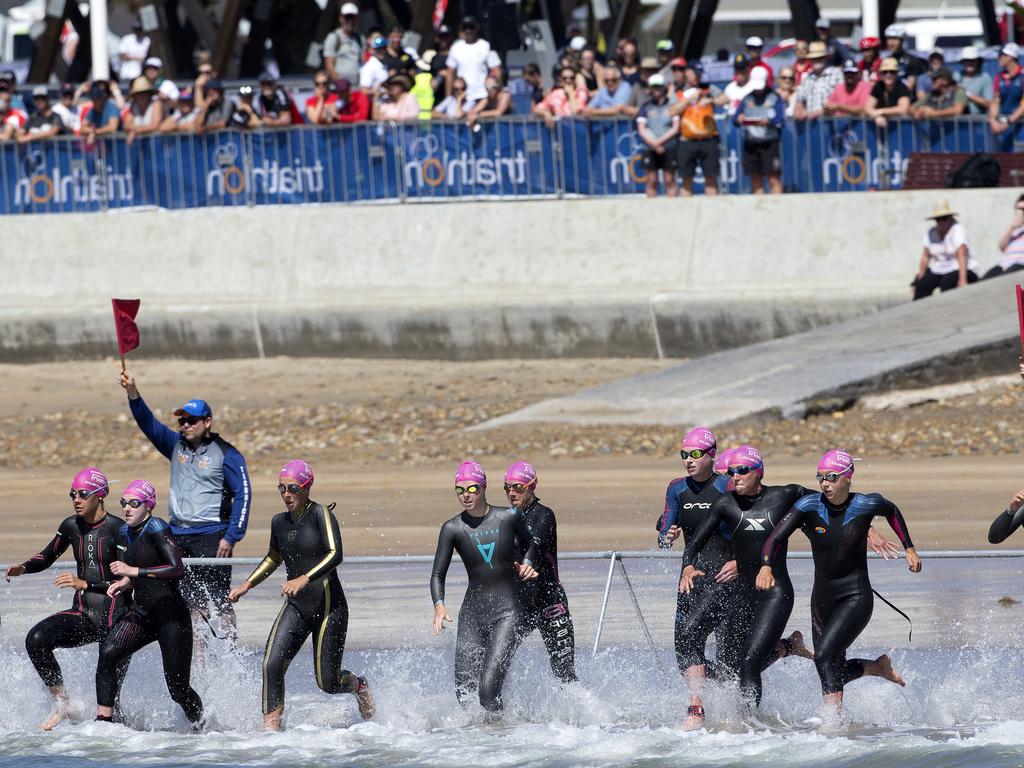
604	602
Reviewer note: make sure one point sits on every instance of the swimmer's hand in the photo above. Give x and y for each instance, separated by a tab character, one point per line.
14	570
119	586
765	578
239	592
525	572
1015	503
913	561
1020	366
880	545
727	573
123	569
671	535
441	616
292	587
65	580
686	580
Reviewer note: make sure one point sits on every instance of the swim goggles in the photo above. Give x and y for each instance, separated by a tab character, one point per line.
696	453
474	488
133	503
517	487
830	476
741	470
291	488
81	494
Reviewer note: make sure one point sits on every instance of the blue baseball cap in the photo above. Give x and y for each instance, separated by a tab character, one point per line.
198	408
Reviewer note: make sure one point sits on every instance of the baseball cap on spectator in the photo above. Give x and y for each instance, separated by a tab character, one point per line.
889	65
379	42
895	30
185	95
67	89
943	73
444	31
656	81
937	52
664	45
349	9
970	53
678	63
817	50
739	61
154	61
198	408
215	85
40	90
755	42
245	90
578	43
7	80
469	22
867	43
341	85
758	78
850	66
1010	49
267	77
823	23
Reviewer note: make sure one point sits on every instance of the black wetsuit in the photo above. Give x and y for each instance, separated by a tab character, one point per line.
1007	522
158	612
92	613
491	622
309	544
544	602
842	600
759	617
709	606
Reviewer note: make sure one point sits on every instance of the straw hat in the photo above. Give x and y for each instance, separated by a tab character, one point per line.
942	210
141	84
817	50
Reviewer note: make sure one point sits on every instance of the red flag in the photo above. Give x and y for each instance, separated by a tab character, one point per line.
125	311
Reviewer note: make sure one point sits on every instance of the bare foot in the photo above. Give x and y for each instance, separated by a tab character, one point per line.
886	671
694	718
797	647
365	700
272	720
59	715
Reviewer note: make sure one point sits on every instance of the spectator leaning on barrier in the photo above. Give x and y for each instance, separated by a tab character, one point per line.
204	74
889	97
531	84
353	104
322	106
498	102
936	61
760	116
472	59
1007	107
273	104
183	118
132	51
102	117
344	47
243	116
947	261
787	88
658	129
11	120
871	58
145	112
209	499
612	99
67	108
817	85
837	52
216	110
946	99
1011	244
755	47
850	97
396	101
802	65
153	69
566	99
977	83
911	67
44	123
373	73
698	131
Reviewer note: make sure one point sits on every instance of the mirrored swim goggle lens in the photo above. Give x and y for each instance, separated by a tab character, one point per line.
696	453
133	503
830	476
86	495
741	470
517	487
474	488
291	488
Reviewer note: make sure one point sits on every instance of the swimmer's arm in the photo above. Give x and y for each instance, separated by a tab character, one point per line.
267	566
668	518
531	540
894	517
332	539
442	559
43	560
1008	521
704	532
779	536
172	566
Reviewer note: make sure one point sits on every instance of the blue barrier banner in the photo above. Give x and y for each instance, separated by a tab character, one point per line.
517	157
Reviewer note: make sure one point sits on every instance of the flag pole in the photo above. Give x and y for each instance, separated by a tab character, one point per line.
123	369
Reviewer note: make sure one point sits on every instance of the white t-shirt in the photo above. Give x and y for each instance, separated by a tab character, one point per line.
372	74
472	62
736	94
138	50
942	251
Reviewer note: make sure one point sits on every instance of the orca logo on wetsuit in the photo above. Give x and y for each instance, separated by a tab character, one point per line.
697	505
487	550
755	523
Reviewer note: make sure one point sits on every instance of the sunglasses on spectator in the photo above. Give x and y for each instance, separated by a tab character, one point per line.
474	488
85	495
696	453
517	487
457	89
611	79
830	476
133	503
786	77
292	488
190	420
888	74
320	83
741	471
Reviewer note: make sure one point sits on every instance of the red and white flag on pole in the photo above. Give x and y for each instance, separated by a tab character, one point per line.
125	311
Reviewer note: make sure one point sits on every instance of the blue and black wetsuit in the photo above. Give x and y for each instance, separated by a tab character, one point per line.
544	602
842	600
758	616
709	606
309	544
92	613
158	612
491	620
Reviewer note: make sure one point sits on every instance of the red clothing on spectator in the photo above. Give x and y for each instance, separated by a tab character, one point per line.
870	72
767	69
14	117
558	101
354	109
332	98
801	68
858	97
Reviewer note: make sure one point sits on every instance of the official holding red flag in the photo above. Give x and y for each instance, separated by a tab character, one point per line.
127	331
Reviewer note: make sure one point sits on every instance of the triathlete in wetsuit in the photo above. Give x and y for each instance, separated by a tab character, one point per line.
837	524
707	607
543	599
1009	520
151	567
491	625
749	514
307	539
91	535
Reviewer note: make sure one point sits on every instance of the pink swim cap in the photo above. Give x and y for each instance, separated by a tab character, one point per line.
141	489
747	456
722	460
297	469
836	461
521	472
702	438
91	479
471	472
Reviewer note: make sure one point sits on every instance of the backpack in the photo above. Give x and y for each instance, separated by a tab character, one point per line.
980	170
698	122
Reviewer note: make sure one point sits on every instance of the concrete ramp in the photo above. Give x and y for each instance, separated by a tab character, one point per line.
785	375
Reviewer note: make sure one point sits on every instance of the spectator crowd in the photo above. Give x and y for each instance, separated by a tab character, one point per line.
376	77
